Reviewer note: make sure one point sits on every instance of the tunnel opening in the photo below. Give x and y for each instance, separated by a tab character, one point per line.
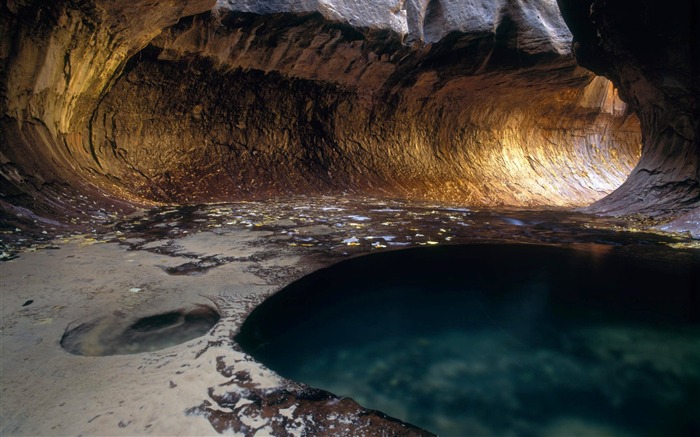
221	101
495	339
230	105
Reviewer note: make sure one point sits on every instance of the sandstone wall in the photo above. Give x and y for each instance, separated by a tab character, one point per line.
57	60
474	102
239	104
650	51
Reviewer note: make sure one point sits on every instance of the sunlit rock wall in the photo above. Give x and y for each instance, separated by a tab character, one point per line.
239	104
474	102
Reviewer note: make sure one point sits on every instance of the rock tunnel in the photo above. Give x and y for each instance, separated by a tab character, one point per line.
475	104
227	152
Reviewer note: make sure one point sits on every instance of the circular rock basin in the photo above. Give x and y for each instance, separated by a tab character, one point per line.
497	340
119	336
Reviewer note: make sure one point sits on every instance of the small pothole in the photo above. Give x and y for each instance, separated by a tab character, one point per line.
121	336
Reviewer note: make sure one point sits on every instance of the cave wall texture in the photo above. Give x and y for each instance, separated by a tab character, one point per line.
651	51
106	103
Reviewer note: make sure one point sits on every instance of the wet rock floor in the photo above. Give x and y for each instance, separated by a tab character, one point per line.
228	257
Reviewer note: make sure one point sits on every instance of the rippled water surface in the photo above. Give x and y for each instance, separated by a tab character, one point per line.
497	339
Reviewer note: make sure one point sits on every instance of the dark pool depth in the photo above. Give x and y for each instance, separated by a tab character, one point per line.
496	339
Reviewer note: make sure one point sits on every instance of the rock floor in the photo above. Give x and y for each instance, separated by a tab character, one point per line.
228	257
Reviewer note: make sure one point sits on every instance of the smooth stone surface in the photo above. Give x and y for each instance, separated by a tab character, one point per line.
117	335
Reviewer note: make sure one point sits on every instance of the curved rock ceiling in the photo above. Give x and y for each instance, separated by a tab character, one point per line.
472	102
649	49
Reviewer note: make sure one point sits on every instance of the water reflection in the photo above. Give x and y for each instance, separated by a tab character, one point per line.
350	225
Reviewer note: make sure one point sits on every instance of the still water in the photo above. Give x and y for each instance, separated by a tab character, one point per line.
496	339
118	334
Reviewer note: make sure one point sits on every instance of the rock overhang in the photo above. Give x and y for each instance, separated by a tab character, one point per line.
390	54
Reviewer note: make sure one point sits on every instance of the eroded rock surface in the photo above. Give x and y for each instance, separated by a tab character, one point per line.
58	59
649	50
263	246
478	104
476	140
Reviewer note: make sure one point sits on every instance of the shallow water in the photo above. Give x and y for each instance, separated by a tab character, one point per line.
120	334
497	339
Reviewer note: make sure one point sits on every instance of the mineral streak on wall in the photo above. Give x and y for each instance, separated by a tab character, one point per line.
480	103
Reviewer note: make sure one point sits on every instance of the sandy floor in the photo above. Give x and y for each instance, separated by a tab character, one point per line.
46	390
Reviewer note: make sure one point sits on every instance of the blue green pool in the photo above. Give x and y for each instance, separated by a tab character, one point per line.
497	339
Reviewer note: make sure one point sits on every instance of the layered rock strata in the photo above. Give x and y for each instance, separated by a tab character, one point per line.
442	100
57	60
650	51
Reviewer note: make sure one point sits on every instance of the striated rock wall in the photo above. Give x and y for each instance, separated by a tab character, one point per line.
650	51
57	60
197	122
474	102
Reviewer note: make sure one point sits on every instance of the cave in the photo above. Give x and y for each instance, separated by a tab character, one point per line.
170	166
